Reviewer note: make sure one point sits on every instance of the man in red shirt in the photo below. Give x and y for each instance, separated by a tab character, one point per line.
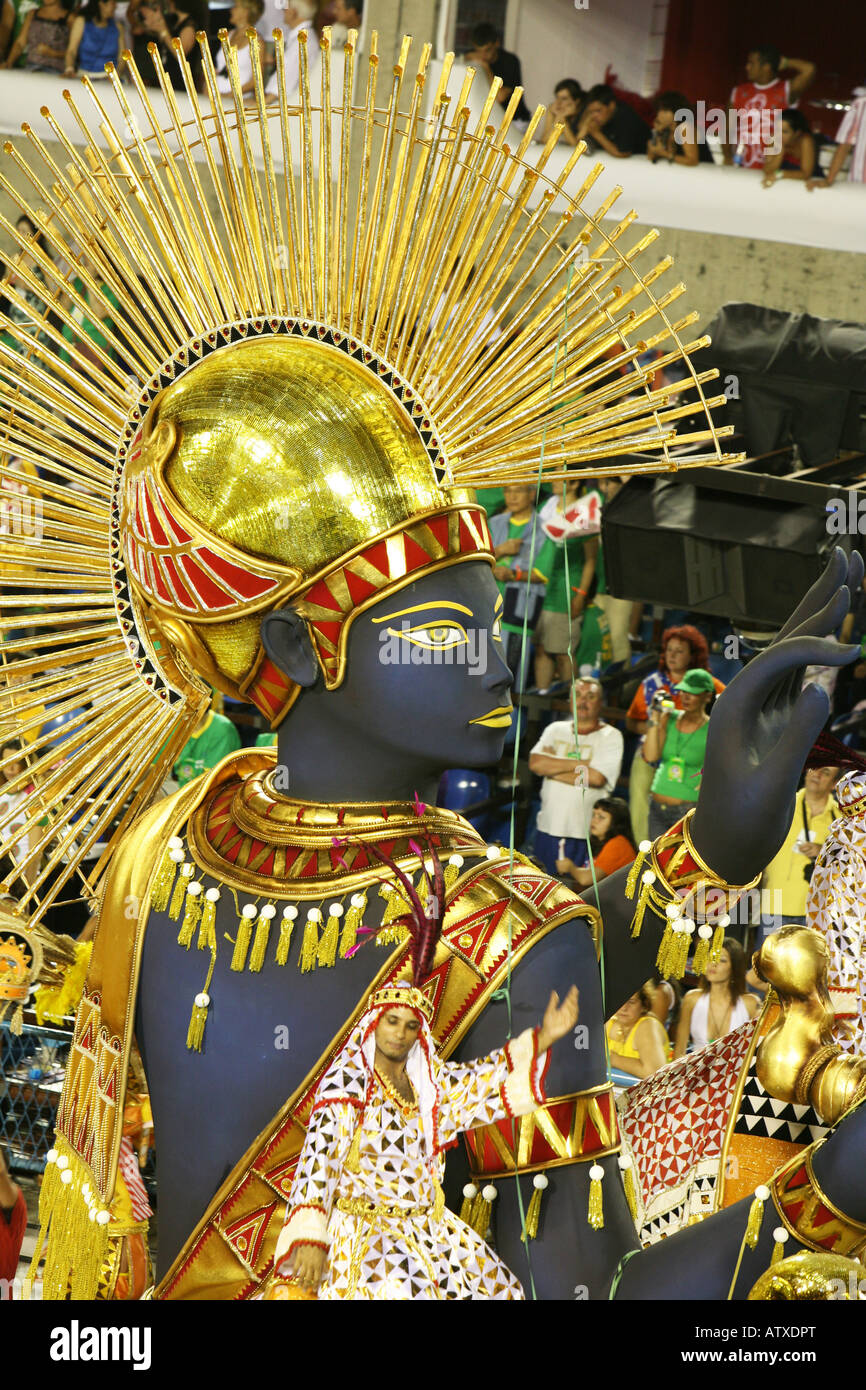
763	90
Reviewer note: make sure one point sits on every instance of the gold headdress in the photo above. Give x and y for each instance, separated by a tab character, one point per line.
317	324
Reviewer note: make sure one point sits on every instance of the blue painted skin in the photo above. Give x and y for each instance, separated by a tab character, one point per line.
388	731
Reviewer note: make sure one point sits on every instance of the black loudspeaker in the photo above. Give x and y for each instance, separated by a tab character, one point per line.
731	544
790	378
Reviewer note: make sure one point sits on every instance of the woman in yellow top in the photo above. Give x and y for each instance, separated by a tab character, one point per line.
637	1041
785	883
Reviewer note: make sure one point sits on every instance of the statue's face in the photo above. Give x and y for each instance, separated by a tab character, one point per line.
425	673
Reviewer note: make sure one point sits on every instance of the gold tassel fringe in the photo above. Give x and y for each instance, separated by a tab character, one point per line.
470	1192
263	931
636	868
185	873
16	1024
718	942
242	940
191	914
287	923
76	1222
533	1211
327	952
481	1207
310	944
164	880
452	870
595	1215
780	1240
207	924
756	1216
198	1019
357	906
702	951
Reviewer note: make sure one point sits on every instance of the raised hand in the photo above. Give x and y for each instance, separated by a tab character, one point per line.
559	1019
763	727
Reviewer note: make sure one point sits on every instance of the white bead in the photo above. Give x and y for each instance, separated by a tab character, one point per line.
176	855
673	910
213	895
66	1175
645	846
705	932
91	1215
493	851
62	1162
648	877
357	900
103	1217
51	1156
539	1181
762	1193
456	860
470	1191
624	1162
193	890
689	926
291	912
187	870
489	1193
202	1000
175	842
268	911
596	1172
780	1235
249	910
314	915
724	921
335	910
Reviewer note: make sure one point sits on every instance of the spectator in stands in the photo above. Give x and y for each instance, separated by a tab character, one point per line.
215	737
683	648
349	16
245	15
619	612
610	841
13	769
611	125
763	90
13	1224
636	1039
523	558
669	141
719	1005
297	18
676	744
42	39
576	775
34	305
564	109
94	38
798	155
488	55
571	573
850	139
93	324
785	882
157	21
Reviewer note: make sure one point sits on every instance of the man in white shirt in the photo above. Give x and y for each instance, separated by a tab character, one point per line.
575	776
292	18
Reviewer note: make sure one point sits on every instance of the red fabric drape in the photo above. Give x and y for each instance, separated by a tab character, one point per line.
12	1228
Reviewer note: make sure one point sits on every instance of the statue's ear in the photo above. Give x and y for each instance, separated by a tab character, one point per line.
287	643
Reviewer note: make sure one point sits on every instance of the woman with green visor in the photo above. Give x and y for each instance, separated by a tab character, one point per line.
676	741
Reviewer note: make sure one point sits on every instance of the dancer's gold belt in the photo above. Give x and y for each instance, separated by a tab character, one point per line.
357	1206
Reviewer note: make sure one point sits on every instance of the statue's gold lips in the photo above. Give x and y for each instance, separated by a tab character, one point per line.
498	718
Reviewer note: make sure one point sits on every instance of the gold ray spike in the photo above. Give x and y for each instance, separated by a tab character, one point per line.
448	245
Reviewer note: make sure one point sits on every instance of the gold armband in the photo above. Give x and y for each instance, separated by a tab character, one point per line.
809	1215
681	887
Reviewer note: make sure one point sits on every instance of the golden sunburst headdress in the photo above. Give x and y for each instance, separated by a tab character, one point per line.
275	344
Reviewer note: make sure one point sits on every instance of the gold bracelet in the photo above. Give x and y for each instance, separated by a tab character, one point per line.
677	879
808	1213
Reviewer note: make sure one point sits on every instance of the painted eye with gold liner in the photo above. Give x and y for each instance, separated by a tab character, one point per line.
433	636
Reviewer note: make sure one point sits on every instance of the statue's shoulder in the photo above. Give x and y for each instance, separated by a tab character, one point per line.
510	903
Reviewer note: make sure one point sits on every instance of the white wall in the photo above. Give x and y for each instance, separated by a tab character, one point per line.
553	40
